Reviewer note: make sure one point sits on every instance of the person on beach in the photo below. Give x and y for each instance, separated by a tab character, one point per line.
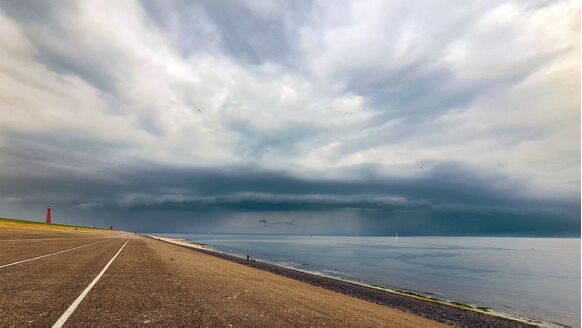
248	257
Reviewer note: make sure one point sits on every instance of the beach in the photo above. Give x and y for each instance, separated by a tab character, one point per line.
126	279
525	278
85	277
414	304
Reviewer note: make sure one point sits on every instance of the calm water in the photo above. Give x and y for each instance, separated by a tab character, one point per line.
535	277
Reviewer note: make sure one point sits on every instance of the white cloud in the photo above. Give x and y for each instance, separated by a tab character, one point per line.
112	74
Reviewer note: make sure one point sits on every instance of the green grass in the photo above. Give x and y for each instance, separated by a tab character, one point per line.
8	223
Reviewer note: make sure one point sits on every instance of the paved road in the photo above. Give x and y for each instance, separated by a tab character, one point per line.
17	250
35	293
156	284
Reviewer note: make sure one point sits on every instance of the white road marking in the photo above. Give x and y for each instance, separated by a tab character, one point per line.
51	254
76	303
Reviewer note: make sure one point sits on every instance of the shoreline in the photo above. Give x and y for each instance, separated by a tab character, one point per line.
458	314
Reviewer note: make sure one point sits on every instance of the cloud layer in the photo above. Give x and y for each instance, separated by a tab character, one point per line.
246	115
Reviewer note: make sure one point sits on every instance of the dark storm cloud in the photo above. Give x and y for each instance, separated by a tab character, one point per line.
271	223
448	200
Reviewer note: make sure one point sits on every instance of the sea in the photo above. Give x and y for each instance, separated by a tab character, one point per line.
537	278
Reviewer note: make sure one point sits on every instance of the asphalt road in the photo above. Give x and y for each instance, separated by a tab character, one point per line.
152	283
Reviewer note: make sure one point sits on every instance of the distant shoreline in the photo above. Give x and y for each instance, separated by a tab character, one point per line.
372	236
431	308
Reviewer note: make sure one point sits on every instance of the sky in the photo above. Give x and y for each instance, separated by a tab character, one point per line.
300	117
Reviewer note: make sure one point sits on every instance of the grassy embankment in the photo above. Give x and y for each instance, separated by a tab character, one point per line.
6	223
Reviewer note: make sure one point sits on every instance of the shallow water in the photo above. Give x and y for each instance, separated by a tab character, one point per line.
535	277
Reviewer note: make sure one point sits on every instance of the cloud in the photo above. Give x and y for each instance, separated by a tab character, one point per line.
303	107
236	199
271	223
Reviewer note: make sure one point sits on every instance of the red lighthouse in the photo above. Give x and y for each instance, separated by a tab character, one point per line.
48	215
